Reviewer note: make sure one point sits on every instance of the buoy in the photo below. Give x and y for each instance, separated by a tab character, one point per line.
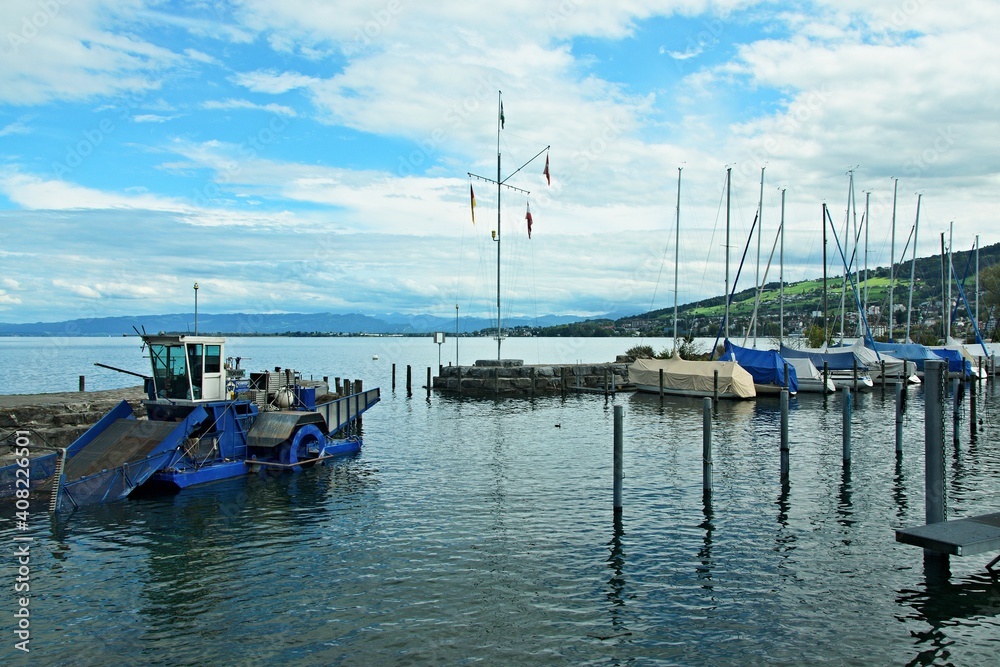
375	357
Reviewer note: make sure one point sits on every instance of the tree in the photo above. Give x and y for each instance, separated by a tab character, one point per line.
989	295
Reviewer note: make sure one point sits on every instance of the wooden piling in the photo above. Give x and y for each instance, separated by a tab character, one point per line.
83	383
409	379
394	376
618	459
428	382
715	387
661	385
706	445
847	425
899	419
784	435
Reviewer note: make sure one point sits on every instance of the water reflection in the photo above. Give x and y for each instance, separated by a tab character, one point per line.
973	604
617	583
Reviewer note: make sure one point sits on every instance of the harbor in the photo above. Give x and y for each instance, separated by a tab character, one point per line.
471	528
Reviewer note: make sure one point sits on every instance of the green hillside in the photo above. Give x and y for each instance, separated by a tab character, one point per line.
803	305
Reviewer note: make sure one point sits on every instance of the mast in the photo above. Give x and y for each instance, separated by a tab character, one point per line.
825	304
760	229
977	283
945	315
729	174
781	274
867	225
892	261
951	232
677	240
501	183
913	270
847	230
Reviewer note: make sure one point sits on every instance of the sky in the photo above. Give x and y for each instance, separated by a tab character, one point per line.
306	156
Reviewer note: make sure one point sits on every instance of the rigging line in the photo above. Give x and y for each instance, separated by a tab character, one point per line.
760	288
711	240
732	292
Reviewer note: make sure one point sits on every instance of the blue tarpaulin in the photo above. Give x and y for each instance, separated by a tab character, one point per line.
765	366
914	352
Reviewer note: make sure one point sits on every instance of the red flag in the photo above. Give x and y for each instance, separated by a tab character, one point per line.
472	196
548	179
527	216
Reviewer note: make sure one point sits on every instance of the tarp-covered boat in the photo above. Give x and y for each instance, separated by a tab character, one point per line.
767	368
692	378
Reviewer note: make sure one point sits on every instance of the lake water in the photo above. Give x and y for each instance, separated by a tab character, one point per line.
481	532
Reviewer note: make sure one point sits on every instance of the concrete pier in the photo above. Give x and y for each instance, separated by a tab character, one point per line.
511	377
60	418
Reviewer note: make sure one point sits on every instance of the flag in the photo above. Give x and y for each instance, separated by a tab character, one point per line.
527	216
472	196
501	116
548	179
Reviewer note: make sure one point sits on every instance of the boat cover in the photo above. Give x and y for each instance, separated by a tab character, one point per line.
765	366
842	359
914	352
681	376
957	363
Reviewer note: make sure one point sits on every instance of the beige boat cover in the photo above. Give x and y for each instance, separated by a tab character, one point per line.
695	377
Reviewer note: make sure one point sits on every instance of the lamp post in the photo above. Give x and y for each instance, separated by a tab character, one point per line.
196	309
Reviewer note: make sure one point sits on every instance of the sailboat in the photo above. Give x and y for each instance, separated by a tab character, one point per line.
502	184
682	377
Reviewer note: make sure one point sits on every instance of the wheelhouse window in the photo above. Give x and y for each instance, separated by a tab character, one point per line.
196	359
213	359
170	371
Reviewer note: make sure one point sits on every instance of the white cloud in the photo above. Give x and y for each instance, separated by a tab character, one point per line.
277	109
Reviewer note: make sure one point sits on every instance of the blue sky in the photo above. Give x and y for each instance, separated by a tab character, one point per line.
305	156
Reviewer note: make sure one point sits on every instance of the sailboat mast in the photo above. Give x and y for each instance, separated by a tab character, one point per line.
867	225
760	229
913	270
826	324
977	281
892	261
951	236
729	174
781	273
677	240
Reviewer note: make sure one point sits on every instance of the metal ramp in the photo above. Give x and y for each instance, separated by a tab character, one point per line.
117	458
341	412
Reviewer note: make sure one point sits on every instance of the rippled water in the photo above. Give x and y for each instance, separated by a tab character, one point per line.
480	531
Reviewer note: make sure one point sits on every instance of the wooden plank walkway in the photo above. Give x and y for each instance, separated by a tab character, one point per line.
959	537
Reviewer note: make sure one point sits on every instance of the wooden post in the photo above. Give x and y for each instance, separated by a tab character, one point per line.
618	459
458	370
394	376
855	374
532	373
409	379
899	419
882	362
784	435
972	406
661	384
847	424
706	445
715	386
428	382
83	383
826	374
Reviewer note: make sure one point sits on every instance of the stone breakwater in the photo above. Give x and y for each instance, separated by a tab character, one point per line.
57	420
511	377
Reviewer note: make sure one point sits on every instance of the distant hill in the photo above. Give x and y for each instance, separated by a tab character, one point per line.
268	324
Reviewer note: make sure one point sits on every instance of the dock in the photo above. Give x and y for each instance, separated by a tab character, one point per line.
512	377
958	537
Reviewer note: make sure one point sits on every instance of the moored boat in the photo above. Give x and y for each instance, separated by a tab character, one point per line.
682	377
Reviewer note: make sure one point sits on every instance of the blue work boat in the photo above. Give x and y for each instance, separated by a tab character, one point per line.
204	422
